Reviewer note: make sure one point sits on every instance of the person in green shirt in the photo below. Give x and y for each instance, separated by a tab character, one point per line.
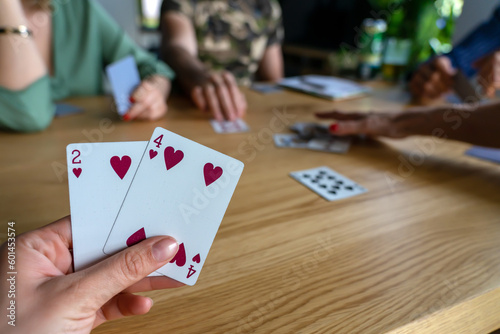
51	50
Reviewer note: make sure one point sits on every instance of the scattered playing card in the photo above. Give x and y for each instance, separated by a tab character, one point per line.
230	126
328	184
464	89
124	78
485	153
67	109
266	88
290	140
330	144
99	175
181	189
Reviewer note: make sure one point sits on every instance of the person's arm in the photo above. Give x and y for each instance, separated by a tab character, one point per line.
271	65
214	92
20	61
480	42
150	97
25	98
478	125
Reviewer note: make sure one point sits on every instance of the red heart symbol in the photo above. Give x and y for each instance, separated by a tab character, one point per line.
196	258
152	154
121	166
77	172
172	157
137	237
211	173
180	258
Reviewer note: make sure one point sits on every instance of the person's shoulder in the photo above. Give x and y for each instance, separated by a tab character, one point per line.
76	7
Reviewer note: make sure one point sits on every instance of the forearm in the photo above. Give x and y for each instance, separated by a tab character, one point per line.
189	69
20	61
478	125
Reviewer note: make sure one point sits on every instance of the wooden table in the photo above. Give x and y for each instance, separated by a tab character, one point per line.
418	253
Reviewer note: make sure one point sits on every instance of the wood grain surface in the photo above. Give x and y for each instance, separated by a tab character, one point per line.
418	253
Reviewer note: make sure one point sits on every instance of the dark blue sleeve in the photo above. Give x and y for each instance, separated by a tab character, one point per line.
483	40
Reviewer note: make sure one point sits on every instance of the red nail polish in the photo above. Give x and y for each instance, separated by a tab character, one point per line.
131	99
334	127
126	117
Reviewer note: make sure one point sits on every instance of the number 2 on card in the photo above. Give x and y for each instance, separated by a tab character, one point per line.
76	157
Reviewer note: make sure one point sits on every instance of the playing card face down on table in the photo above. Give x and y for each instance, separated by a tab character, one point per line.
182	189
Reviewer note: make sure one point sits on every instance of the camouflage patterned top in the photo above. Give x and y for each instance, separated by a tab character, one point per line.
232	34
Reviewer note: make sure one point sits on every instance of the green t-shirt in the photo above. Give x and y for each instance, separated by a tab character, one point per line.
85	39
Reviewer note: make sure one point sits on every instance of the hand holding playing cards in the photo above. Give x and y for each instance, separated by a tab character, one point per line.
489	73
51	298
432	79
219	94
149	100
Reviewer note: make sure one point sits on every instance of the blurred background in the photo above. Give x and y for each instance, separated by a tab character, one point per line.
352	38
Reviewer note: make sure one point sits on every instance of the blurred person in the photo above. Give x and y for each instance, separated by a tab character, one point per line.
478	53
214	46
51	298
475	124
51	50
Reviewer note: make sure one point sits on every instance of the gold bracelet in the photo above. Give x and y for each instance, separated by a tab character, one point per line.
21	30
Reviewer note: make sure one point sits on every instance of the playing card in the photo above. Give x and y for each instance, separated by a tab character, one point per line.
124	78
464	89
485	153
290	140
309	130
181	189
230	126
266	88
330	144
328	184
66	109
99	175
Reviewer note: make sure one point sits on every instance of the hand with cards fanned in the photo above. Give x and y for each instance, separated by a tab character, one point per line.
51	298
123	193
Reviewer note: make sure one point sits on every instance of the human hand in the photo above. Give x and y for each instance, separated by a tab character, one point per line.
401	124
51	298
149	99
220	95
489	73
432	79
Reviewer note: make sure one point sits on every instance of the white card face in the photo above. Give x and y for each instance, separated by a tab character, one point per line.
230	127
99	175
328	184
181	189
124	78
